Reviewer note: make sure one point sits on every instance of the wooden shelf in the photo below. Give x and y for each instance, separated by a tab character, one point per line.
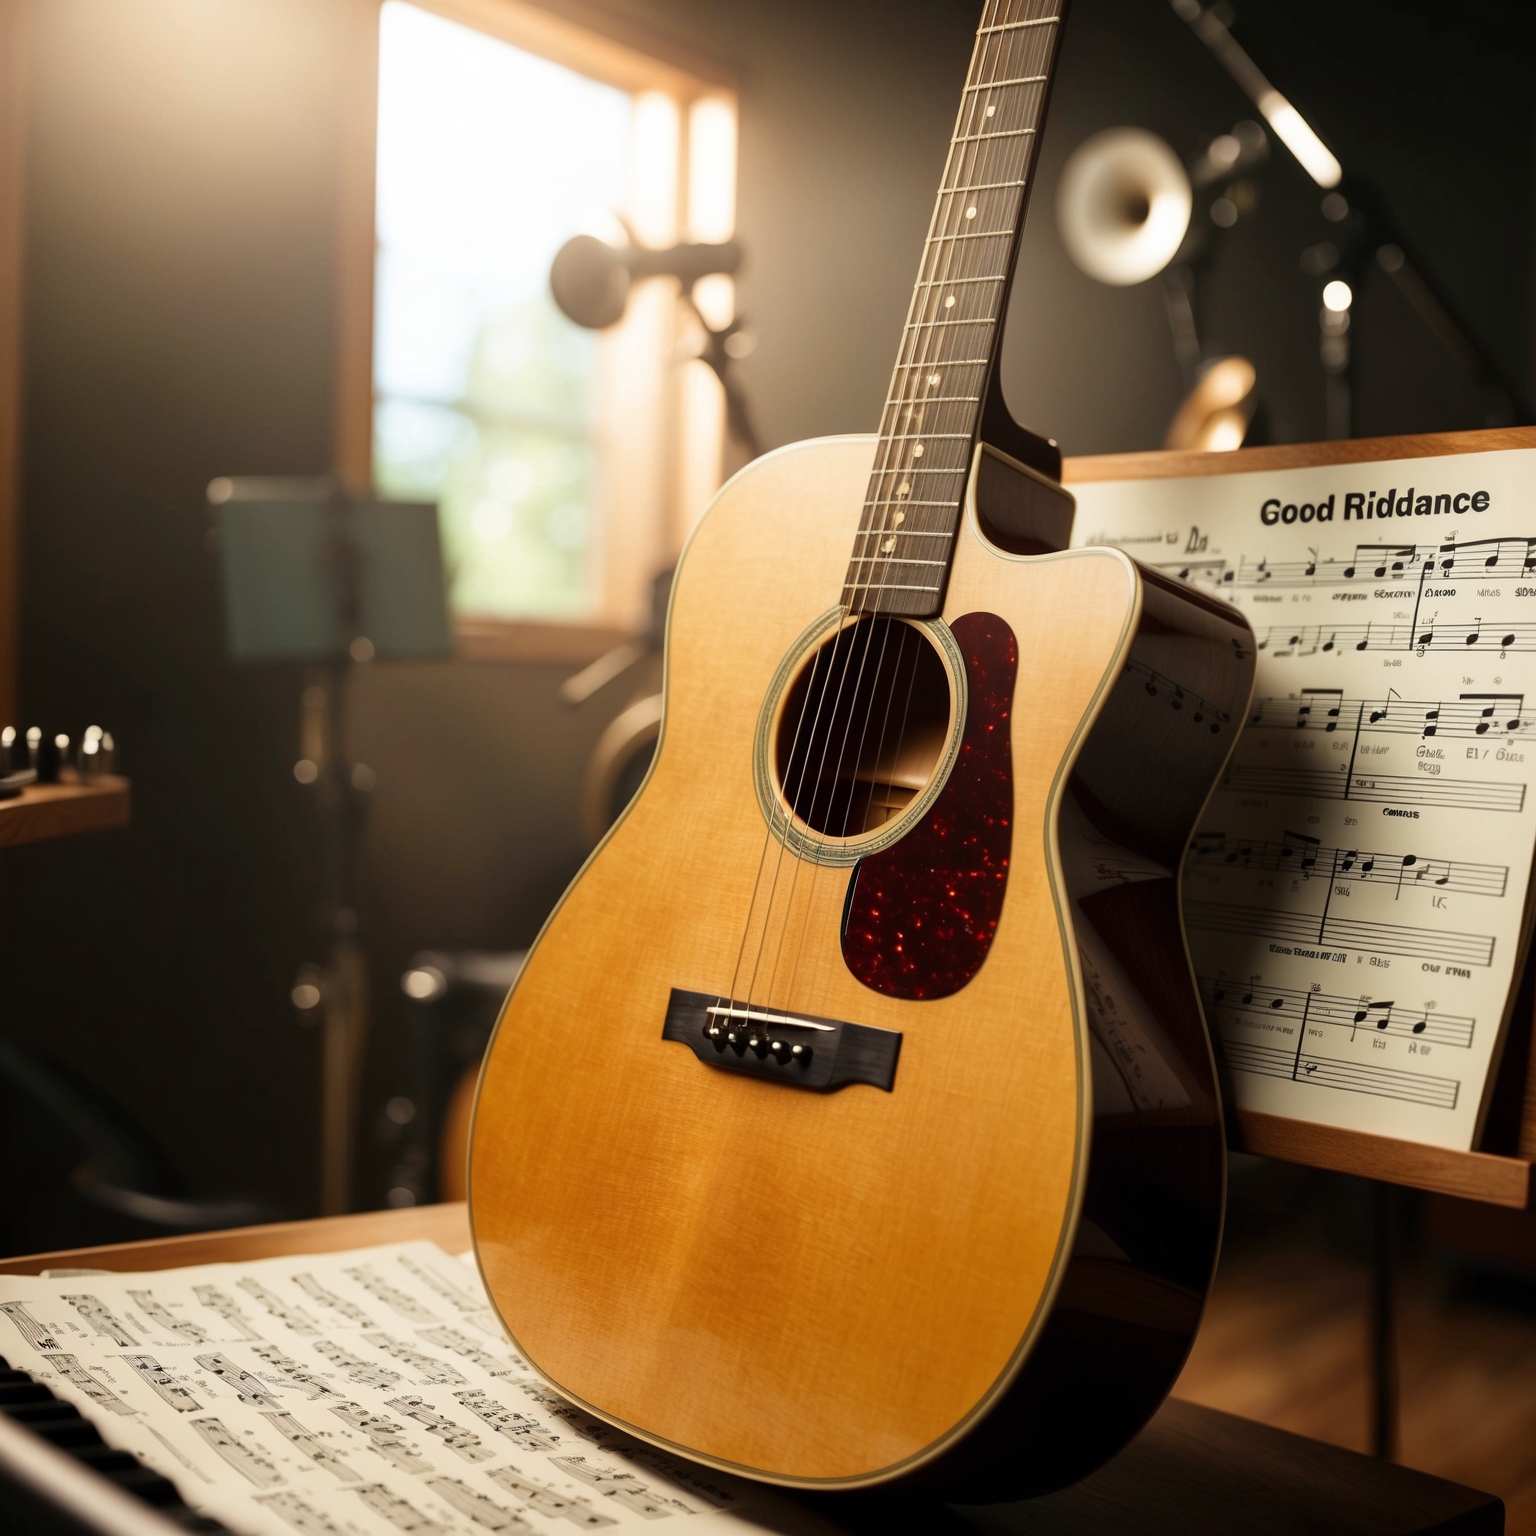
57	810
446	1225
1481	1176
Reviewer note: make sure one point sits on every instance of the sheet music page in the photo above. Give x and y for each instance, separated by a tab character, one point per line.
1355	898
353	1394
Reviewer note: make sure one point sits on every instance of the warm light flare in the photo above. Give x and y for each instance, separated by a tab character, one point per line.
1338	296
1296	134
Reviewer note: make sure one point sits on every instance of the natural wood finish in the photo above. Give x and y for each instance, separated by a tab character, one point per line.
600	1191
1498	1180
446	1225
1244	461
1472	1175
57	810
595	40
1285	1341
14	28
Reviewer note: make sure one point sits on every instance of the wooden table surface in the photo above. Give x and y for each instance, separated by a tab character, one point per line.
1192	1471
42	811
446	1225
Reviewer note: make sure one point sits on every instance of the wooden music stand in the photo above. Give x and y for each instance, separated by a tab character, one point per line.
1501	1173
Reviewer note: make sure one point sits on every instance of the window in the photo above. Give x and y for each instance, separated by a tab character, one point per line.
567	464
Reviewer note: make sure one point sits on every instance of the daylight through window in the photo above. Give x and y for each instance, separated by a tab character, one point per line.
567	464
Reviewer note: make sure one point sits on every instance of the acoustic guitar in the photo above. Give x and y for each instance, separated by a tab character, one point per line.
853	1119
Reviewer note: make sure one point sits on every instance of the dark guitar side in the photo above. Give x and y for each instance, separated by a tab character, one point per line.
1135	1286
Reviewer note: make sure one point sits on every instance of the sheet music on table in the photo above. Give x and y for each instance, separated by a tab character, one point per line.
351	1394
1356	897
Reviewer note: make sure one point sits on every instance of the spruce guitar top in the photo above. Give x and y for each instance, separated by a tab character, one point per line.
853	1119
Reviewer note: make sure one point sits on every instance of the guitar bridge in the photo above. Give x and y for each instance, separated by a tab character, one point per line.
798	1049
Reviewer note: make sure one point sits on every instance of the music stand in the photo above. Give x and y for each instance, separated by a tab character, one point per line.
313	574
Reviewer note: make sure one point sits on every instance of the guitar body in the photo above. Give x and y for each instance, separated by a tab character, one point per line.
977	1262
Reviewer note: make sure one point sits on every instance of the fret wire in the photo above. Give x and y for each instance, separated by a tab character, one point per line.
890	559
1003	85
991	156
957	282
979	234
1015	26
980	186
1001	133
928	325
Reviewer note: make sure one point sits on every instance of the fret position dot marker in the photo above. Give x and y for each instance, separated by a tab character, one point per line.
949	303
991	110
933	381
970	212
887	546
898	519
917	452
904	489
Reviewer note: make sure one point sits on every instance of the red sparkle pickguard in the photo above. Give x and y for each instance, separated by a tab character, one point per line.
921	915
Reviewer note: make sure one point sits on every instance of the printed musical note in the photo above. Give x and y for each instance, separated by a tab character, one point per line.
1210	848
1493	560
1312	639
1343	1013
1469	714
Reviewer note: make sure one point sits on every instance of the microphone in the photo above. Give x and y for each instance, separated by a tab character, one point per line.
590	280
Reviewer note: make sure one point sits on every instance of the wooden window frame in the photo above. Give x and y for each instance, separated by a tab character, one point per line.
14	38
582	38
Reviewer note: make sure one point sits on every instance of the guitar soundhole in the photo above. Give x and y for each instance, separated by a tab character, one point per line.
863	727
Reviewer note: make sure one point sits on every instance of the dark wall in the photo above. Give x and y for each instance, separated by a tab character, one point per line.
179	309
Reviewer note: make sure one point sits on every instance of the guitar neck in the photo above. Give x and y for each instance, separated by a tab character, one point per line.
933	410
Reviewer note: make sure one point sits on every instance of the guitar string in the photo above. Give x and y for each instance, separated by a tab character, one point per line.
906	408
946	222
900	412
887	451
810	905
790	795
929	341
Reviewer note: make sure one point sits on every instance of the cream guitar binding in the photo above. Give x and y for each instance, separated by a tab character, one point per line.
853	1120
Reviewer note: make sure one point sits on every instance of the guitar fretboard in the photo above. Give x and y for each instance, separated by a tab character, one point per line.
911	515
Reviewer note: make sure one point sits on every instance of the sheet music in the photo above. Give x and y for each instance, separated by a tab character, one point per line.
353	1394
1356	896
